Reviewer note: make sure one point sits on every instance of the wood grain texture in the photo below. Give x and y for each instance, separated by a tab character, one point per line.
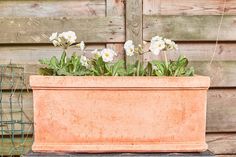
221	110
222	144
20	146
222	74
188	7
134	24
189	28
118	48
30	54
194	51
59	8
38	30
199	51
115	7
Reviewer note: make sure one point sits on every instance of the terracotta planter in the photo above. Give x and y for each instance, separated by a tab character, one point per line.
119	114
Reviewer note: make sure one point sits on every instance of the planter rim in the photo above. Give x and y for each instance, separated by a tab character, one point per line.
39	81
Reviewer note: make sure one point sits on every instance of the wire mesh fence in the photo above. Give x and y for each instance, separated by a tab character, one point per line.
15	122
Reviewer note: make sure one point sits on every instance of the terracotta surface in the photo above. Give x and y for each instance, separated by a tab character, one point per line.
119	114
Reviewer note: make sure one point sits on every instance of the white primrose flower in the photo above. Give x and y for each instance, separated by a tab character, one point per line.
170	45
156	38
175	46
54	39
56	43
108	55
96	53
84	61
67	38
82	45
53	36
144	43
129	48
168	41
156	46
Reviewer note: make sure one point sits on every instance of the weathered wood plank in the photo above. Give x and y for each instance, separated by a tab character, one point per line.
221	110
115	8
118	48
189	28
222	144
188	7
134	24
199	51
59	8
222	74
38	30
193	51
30	54
18	147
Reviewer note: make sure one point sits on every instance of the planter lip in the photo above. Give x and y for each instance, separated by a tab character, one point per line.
197	81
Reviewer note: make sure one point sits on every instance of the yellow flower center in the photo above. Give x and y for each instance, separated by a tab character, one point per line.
107	54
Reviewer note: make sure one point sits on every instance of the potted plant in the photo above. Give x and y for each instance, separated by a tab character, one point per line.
94	105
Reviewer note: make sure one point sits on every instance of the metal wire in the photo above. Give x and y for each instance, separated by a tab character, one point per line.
13	118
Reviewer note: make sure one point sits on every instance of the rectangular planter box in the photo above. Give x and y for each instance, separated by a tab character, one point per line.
119	114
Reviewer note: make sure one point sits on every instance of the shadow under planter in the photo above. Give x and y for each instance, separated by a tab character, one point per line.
119	114
201	154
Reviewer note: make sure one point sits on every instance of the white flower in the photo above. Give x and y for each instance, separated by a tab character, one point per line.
168	41
156	38
82	45
96	53
84	61
129	48
157	46
67	38
53	36
56	43
175	46
144	43
107	55
54	39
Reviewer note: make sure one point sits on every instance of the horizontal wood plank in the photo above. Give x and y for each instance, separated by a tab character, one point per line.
189	28
188	7
222	73
221	113
115	8
38	30
59	8
222	144
18	147
199	51
32	53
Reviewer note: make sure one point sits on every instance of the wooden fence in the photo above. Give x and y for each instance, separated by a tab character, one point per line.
25	26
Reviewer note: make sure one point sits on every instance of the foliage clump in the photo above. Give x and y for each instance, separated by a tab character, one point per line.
102	64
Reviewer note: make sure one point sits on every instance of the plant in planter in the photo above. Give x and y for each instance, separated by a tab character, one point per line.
161	108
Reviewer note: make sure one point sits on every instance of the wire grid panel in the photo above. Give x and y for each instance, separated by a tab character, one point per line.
14	122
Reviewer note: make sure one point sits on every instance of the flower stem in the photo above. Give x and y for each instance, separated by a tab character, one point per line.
166	60
138	68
